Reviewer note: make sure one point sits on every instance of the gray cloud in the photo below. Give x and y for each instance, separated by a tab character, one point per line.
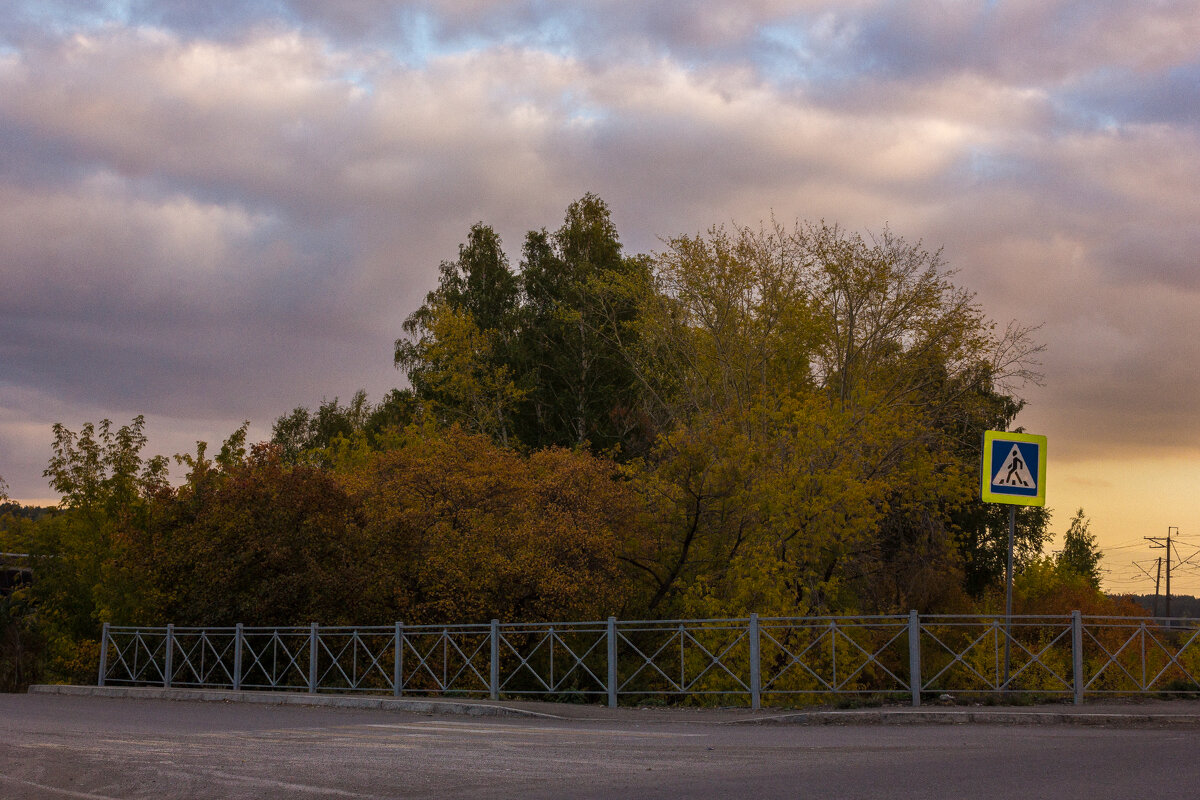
214	212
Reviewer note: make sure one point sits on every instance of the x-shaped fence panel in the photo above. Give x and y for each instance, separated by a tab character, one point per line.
446	660
1123	655
134	656
835	655
974	654
556	659
276	658
675	657
203	656
355	659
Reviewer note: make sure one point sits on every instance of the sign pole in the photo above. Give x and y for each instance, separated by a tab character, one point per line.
1008	580
1013	472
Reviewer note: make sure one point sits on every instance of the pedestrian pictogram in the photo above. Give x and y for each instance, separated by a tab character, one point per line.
1014	468
1014	472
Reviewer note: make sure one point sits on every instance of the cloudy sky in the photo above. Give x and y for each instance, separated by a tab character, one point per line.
213	212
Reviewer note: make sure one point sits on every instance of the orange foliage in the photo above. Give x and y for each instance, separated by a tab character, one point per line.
469	531
1044	587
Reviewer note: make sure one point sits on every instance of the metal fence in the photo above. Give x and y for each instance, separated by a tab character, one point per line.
777	661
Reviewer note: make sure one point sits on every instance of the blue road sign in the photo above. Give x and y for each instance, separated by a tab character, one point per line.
1014	469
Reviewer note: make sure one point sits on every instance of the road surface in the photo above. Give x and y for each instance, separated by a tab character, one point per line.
89	747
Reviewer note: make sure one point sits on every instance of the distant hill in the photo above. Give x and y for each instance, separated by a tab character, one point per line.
1182	605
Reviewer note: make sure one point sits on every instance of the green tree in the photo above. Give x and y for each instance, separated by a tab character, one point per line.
581	387
1080	554
458	348
479	283
307	435
85	557
99	472
532	358
983	539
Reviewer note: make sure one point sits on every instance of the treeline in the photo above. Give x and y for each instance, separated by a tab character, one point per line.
779	420
1182	605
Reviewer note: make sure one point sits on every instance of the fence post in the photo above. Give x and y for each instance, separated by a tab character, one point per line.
755	669
612	662
312	659
237	657
494	677
103	654
168	667
398	661
1077	654
914	656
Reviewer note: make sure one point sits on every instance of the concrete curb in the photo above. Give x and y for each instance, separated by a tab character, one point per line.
1075	716
967	717
293	699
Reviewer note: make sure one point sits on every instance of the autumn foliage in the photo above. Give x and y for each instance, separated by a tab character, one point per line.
777	420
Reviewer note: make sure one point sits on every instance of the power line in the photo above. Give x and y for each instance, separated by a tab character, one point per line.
1120	547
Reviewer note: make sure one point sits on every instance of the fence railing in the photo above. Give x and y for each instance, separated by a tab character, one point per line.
778	661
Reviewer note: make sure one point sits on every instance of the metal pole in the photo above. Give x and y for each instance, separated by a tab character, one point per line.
914	656
612	662
1168	611
312	659
1008	580
237	657
1157	583
1077	654
494	678
755	667
168	667
103	654
398	661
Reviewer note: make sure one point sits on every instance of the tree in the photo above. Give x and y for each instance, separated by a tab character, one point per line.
1080	554
831	379
307	435
454	367
581	388
99	471
530	359
253	539
983	539
1048	586
463	529
479	283
458	354
85	557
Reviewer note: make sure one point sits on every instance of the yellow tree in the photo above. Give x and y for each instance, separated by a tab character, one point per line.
456	371
813	383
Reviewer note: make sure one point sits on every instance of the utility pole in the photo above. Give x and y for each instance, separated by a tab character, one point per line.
1157	578
1168	611
1159	542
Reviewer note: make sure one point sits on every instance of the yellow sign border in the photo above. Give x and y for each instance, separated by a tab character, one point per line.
985	486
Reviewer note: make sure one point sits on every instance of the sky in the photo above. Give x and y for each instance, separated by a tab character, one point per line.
214	212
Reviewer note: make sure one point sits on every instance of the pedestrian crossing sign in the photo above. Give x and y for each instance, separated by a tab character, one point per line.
1014	468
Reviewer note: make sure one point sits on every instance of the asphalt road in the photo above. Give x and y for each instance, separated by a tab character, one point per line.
86	747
